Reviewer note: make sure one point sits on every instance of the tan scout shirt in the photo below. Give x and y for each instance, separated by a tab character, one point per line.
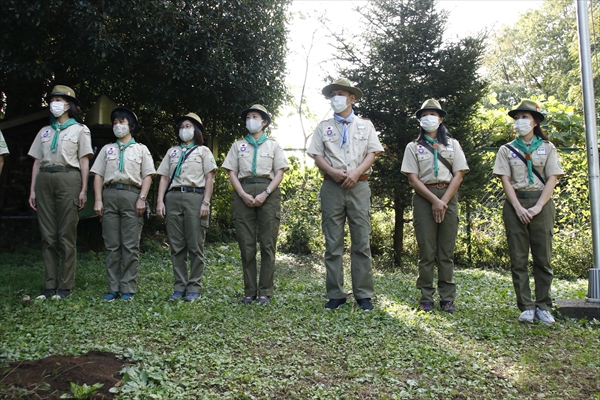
193	170
74	143
418	160
138	164
3	146
269	160
362	140
545	160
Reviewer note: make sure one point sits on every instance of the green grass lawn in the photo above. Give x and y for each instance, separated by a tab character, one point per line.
293	348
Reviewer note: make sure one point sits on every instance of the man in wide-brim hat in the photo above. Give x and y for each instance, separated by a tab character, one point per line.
344	148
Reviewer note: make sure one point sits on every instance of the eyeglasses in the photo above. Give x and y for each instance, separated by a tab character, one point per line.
186	126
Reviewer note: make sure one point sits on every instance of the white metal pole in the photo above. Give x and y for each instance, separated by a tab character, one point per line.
591	137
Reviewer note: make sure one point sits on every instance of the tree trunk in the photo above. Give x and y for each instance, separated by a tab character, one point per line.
398	231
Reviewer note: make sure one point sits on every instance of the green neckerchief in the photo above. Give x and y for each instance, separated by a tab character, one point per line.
122	148
255	143
57	128
434	142
535	143
181	157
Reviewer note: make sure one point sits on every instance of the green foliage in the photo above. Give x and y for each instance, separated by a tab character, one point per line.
82	392
300	211
221	225
159	58
217	348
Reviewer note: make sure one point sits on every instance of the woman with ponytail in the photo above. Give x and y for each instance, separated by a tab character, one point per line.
435	164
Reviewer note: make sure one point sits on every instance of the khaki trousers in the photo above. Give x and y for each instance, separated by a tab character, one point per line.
186	231
257	224
337	206
121	230
57	199
537	236
436	246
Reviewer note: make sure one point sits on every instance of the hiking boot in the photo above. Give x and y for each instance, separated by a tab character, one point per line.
176	295
127	296
334	304
527	316
110	296
47	293
191	296
426	306
447	306
544	316
248	299
365	304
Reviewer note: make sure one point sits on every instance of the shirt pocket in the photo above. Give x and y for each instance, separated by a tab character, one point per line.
264	163
133	165
360	143
517	170
244	161
448	155
69	145
539	161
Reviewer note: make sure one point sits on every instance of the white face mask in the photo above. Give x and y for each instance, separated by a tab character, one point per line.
57	108
338	103
254	125
120	130
523	126
186	134
430	123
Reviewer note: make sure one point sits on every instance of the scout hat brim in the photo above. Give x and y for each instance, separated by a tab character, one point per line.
430	104
342	84
193	118
63	91
528	106
259	109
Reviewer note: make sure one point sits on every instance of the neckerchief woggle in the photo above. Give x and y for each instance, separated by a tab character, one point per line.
184	149
435	144
255	143
535	143
57	128
349	119
122	148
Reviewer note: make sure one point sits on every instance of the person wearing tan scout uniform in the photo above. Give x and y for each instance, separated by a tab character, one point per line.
344	148
529	170
124	172
3	151
59	180
256	165
435	204
187	174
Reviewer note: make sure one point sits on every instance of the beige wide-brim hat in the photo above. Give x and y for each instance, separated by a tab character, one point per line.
63	91
193	117
342	84
430	104
259	109
531	107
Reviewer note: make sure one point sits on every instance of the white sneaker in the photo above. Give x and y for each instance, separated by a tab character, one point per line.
544	316
527	316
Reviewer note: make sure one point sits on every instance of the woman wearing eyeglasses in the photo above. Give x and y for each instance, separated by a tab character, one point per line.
186	184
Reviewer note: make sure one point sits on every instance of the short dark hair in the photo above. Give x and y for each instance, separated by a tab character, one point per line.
198	131
122	114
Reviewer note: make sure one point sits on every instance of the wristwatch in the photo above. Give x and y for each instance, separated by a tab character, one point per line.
143	198
267	191
205	203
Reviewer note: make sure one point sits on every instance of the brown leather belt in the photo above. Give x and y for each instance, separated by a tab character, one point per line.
439	185
360	178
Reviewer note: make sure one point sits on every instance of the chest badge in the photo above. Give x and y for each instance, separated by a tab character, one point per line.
420	149
541	151
513	155
174	153
243	147
329	131
46	133
110	150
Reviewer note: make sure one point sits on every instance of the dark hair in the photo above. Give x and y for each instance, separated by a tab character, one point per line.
198	130
74	109
122	114
537	130
442	135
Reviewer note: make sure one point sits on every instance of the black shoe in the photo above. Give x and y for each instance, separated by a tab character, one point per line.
447	306
426	306
46	294
248	299
334	304
64	293
264	299
365	304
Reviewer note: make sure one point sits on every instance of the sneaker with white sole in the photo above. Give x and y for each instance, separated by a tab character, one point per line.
46	294
527	316
544	316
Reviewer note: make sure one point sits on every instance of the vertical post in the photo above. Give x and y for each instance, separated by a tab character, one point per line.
591	137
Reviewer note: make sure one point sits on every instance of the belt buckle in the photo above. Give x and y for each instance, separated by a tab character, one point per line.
440	185
182	189
119	186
